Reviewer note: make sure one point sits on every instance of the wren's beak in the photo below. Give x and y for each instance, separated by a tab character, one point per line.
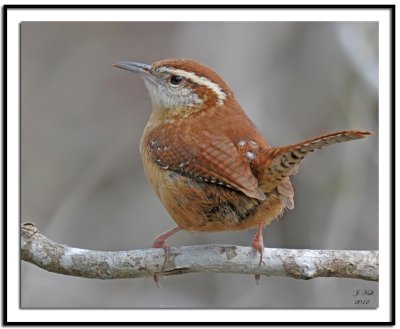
144	69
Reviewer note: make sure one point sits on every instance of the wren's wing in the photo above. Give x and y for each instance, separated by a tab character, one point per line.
284	161
205	157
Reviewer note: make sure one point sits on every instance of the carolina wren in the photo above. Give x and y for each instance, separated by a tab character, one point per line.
206	160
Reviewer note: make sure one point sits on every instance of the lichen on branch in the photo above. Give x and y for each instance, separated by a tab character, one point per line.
302	264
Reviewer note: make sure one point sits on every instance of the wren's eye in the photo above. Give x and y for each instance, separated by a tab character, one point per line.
176	80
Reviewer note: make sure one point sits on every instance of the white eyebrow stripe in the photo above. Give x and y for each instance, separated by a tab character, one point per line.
203	81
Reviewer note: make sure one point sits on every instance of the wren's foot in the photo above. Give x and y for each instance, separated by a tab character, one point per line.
258	244
167	250
159	242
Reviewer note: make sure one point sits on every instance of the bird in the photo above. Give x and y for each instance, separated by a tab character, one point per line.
207	161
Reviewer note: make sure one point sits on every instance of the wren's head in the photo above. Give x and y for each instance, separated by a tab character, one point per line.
181	86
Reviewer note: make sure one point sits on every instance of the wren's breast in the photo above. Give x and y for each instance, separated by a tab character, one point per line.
201	206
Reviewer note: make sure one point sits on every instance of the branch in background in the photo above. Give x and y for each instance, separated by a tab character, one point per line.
299	264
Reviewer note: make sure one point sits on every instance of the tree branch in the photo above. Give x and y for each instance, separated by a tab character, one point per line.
299	264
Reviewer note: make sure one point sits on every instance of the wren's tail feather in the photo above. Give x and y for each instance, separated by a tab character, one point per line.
286	159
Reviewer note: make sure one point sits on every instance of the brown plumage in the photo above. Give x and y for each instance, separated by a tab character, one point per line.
206	160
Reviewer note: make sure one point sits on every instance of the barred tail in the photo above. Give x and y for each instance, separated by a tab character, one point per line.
285	160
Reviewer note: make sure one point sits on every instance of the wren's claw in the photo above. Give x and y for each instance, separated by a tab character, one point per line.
159	242
258	244
167	250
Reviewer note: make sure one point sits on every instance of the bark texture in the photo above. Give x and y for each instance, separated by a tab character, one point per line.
302	264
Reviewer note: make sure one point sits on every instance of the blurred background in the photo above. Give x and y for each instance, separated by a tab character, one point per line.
82	181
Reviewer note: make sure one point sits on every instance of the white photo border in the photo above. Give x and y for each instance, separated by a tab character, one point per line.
11	31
